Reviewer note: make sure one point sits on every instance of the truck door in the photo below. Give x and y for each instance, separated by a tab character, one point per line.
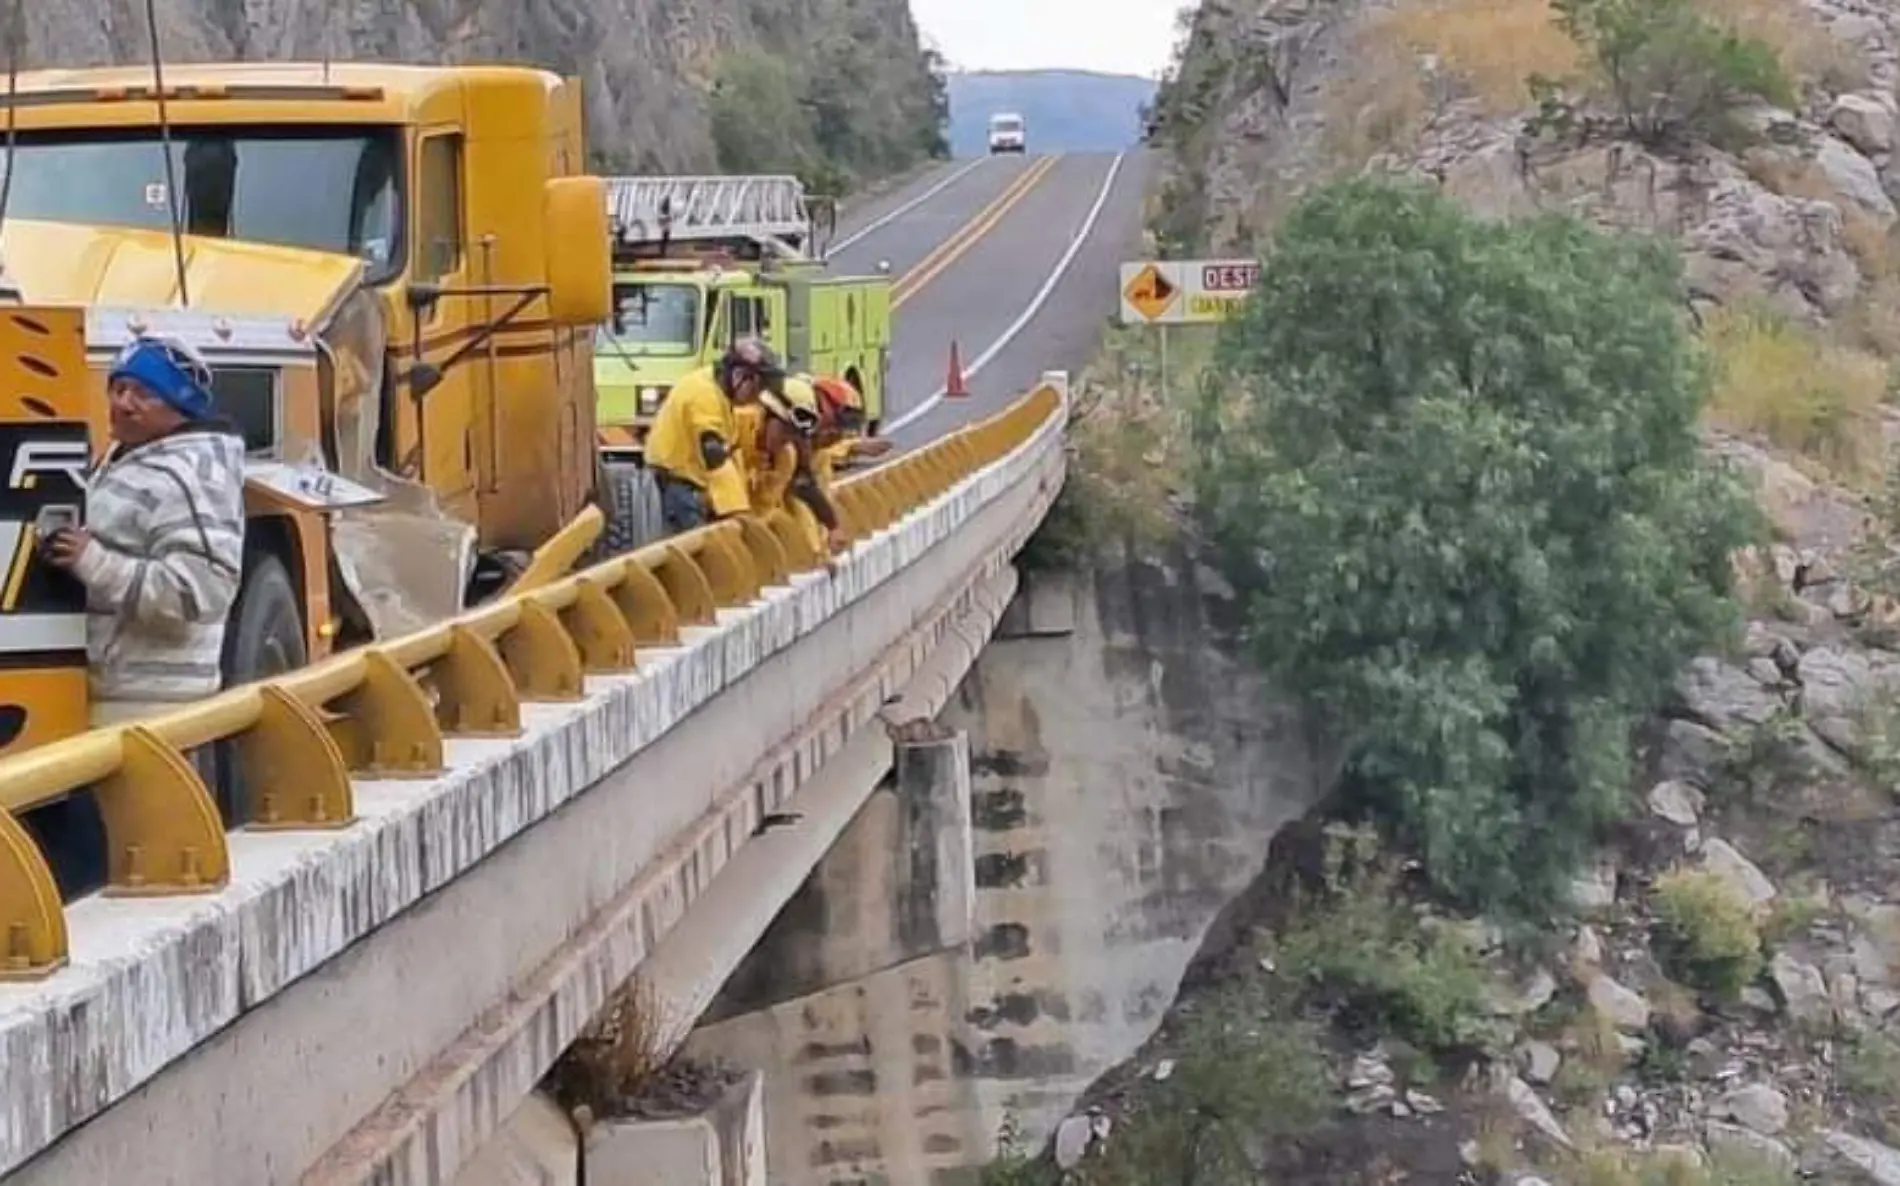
439	254
758	312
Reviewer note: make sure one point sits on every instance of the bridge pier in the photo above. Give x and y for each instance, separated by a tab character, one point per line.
856	992
541	1146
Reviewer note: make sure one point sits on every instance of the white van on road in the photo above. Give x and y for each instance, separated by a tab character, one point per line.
1007	133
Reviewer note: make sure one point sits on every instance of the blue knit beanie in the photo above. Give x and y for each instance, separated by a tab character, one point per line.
152	365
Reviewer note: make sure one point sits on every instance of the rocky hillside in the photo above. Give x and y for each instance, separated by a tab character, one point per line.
1273	94
1719	999
671	84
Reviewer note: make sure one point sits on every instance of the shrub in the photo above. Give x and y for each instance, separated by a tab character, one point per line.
1365	952
1783	381
1245	1071
1804	45
1670	69
1454	465
1706	936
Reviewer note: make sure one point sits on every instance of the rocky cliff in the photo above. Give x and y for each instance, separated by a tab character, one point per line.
1770	795
667	81
1270	95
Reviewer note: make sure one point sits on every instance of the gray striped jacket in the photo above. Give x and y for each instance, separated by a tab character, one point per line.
167	524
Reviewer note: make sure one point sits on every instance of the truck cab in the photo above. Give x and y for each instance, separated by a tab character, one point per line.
703	261
395	273
1008	133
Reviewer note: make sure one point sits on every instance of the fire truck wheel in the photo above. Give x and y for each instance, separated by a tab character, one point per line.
263	637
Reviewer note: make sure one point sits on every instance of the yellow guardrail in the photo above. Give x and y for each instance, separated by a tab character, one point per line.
382	710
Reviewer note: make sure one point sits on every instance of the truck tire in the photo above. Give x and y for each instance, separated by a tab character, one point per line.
264	636
632	505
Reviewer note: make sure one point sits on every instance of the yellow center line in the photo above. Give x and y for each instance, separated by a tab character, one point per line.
969	234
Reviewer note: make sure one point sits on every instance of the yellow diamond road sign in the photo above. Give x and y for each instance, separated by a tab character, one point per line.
1150	292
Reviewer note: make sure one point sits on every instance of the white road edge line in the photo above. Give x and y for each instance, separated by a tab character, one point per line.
1035	305
906	208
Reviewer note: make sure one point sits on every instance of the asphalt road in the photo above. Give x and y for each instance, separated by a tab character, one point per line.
1021	298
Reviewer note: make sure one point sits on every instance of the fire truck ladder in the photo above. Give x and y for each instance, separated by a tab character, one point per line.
769	212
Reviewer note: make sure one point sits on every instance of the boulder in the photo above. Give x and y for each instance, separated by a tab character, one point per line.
1737	872
1626	1008
1758	1107
1866	121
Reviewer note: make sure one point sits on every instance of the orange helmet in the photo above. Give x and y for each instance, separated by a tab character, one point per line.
839	402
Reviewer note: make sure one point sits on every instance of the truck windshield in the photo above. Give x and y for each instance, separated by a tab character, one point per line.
327	189
653	319
1006	123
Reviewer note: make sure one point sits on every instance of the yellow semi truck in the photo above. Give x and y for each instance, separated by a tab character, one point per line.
700	261
395	272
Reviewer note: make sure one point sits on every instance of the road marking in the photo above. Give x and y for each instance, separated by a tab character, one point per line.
1035	305
967	236
859	235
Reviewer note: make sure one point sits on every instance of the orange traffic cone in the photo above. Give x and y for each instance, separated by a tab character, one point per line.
953	387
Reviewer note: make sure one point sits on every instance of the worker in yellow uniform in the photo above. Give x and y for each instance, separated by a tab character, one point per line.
785	472
839	439
694	446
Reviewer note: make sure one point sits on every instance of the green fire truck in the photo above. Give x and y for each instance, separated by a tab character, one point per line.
700	261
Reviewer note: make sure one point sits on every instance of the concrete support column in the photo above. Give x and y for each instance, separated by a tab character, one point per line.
936	867
854	1003
723	1146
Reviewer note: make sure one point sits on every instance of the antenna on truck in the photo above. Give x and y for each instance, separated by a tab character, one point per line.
16	33
165	141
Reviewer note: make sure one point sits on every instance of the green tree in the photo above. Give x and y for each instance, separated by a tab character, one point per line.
1670	69
758	125
1455	464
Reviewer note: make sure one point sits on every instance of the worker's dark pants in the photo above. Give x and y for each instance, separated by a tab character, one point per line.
682	504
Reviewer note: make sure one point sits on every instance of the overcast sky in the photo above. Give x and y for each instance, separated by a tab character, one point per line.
1117	36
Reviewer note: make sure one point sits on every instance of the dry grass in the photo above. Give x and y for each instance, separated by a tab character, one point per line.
1491	46
1806	50
1485	50
1787	384
1379	107
1130	461
617	1055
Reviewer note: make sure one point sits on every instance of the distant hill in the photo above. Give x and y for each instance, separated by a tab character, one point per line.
1066	110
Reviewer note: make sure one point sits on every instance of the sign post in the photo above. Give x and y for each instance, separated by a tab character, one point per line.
1165	293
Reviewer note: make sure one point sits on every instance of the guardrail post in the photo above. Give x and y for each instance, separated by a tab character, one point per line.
794	540
643	601
387	727
475	695
769	555
541	656
289	746
163	832
686	587
600	632
32	924
728	574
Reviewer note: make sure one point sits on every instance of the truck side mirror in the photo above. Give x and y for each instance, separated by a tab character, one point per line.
579	251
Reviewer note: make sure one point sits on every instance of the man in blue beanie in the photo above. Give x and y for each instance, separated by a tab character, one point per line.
162	551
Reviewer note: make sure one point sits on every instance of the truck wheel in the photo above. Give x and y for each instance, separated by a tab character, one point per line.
264	636
632	504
